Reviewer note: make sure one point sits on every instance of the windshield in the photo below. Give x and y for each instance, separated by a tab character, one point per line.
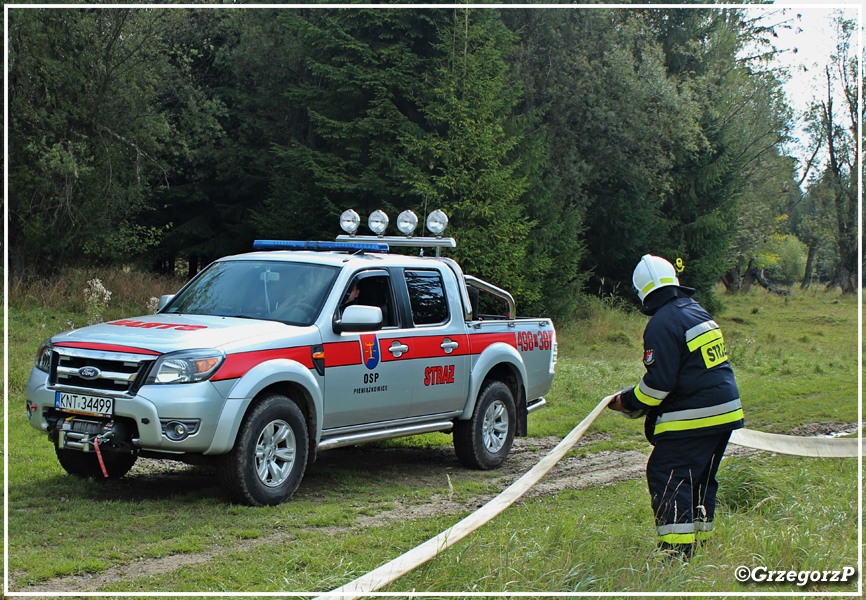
288	292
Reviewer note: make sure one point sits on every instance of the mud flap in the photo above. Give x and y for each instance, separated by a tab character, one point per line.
521	427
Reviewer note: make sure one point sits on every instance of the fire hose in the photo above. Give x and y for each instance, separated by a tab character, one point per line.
393	570
401	565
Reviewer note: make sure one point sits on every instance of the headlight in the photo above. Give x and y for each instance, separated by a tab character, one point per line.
43	356
186	366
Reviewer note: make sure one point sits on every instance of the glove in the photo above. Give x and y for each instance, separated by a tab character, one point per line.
635	414
629	414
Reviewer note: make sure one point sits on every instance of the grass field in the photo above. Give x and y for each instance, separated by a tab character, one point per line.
796	364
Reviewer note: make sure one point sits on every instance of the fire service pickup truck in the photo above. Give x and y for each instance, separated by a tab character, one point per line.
264	359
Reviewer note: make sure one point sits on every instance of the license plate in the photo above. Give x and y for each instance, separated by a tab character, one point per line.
84	404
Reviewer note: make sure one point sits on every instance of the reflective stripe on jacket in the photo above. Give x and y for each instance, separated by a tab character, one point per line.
688	379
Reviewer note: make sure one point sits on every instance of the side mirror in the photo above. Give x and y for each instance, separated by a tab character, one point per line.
163	300
359	318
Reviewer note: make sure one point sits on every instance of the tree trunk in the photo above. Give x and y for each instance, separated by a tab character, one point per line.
193	267
845	279
758	274
846	207
748	278
810	265
732	280
752	275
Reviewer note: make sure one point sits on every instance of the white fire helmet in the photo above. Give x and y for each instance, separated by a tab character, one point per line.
652	273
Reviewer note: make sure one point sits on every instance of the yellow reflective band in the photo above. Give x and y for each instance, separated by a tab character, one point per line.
666	280
678	538
648	287
648	400
699	423
703	535
704	339
714	354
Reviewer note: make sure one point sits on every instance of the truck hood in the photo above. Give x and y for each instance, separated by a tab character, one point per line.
167	333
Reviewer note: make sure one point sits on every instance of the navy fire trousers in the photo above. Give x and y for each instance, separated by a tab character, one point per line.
681	475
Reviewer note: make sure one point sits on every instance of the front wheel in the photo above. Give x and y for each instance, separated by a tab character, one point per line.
86	464
484	441
268	460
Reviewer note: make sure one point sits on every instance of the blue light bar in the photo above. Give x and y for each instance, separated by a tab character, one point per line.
338	246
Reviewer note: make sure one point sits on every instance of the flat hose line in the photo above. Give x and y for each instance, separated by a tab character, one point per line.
816	447
393	570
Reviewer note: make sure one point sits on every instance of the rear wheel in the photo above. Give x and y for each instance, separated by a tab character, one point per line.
268	460
86	464
484	441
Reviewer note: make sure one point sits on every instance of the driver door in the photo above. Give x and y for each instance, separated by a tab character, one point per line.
361	387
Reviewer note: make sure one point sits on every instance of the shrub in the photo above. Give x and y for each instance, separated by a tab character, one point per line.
96	299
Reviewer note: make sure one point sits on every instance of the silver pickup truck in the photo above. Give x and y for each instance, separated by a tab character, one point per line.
266	358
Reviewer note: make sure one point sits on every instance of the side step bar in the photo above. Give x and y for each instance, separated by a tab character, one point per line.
378	435
383	434
534	405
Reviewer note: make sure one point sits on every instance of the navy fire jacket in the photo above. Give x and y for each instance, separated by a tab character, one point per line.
689	384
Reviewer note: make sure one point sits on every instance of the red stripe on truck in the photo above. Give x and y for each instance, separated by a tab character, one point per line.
236	365
479	342
107	348
341	354
425	346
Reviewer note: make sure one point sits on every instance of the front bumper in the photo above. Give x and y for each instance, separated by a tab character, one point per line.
144	415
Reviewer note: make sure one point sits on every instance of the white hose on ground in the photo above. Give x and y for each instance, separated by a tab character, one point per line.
816	447
393	570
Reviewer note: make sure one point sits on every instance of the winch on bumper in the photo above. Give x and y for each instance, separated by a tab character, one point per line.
82	433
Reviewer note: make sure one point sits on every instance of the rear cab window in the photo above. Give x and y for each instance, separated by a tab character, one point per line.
426	297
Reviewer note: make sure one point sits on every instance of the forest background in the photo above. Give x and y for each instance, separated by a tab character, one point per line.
562	143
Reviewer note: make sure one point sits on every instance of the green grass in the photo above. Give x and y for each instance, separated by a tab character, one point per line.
795	362
602	539
795	357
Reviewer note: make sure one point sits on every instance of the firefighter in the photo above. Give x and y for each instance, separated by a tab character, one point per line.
690	399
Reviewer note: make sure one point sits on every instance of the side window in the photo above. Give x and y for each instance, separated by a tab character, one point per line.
371	289
427	297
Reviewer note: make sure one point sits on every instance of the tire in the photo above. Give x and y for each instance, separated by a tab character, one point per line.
269	457
484	441
86	464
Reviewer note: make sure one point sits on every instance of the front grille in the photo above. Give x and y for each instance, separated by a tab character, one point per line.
115	373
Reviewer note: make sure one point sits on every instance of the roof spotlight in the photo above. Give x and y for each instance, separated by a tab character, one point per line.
349	221
378	222
407	221
436	222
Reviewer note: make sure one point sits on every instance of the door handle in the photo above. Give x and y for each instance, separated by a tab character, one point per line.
398	349
449	345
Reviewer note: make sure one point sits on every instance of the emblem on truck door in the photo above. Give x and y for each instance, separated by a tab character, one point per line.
370	351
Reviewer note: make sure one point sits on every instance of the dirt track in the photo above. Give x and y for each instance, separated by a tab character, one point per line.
416	467
419	467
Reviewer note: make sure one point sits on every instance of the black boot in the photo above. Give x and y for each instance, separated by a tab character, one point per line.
681	551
